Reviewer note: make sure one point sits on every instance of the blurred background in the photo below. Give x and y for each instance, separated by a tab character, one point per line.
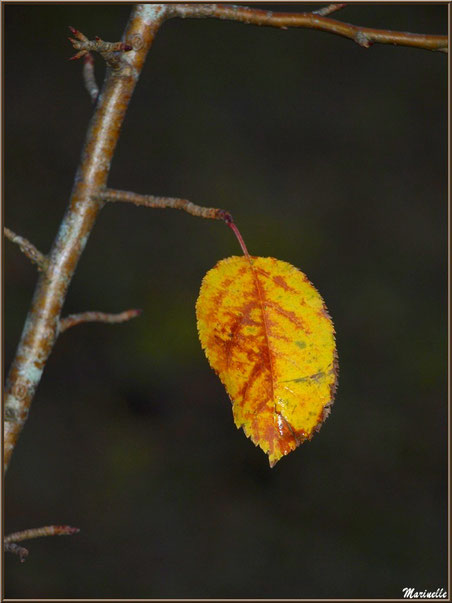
329	156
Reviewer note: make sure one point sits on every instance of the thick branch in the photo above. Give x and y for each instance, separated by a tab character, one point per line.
364	36
27	248
165	202
41	327
75	319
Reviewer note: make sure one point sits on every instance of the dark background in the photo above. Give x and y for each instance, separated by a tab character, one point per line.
329	156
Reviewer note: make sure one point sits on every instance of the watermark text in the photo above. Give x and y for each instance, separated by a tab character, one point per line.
412	593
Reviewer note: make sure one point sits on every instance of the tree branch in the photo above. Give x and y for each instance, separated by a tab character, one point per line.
12	547
27	248
364	36
10	541
39	532
164	202
110	51
41	327
43	320
327	10
75	319
175	203
89	77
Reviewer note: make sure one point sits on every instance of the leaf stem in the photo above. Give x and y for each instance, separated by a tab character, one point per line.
236	231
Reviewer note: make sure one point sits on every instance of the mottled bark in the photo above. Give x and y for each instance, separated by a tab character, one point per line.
42	323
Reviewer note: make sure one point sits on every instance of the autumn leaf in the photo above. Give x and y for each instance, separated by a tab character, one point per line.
268	335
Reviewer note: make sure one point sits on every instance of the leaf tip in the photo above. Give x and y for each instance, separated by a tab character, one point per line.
272	462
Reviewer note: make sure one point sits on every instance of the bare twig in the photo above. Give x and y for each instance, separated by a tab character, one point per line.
42	324
75	319
39	532
88	62
327	10
27	248
364	36
41	327
175	203
89	77
12	547
165	202
10	541
110	51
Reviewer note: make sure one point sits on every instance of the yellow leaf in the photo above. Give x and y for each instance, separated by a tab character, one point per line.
267	333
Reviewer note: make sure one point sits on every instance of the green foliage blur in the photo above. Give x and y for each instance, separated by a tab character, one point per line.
329	156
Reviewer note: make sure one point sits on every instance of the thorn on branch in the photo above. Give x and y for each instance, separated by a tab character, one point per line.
27	249
110	51
75	319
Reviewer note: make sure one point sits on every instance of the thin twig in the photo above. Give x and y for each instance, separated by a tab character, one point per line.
327	10
10	541
89	77
164	202
39	532
27	248
12	547
110	51
41	327
364	36
175	203
75	319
